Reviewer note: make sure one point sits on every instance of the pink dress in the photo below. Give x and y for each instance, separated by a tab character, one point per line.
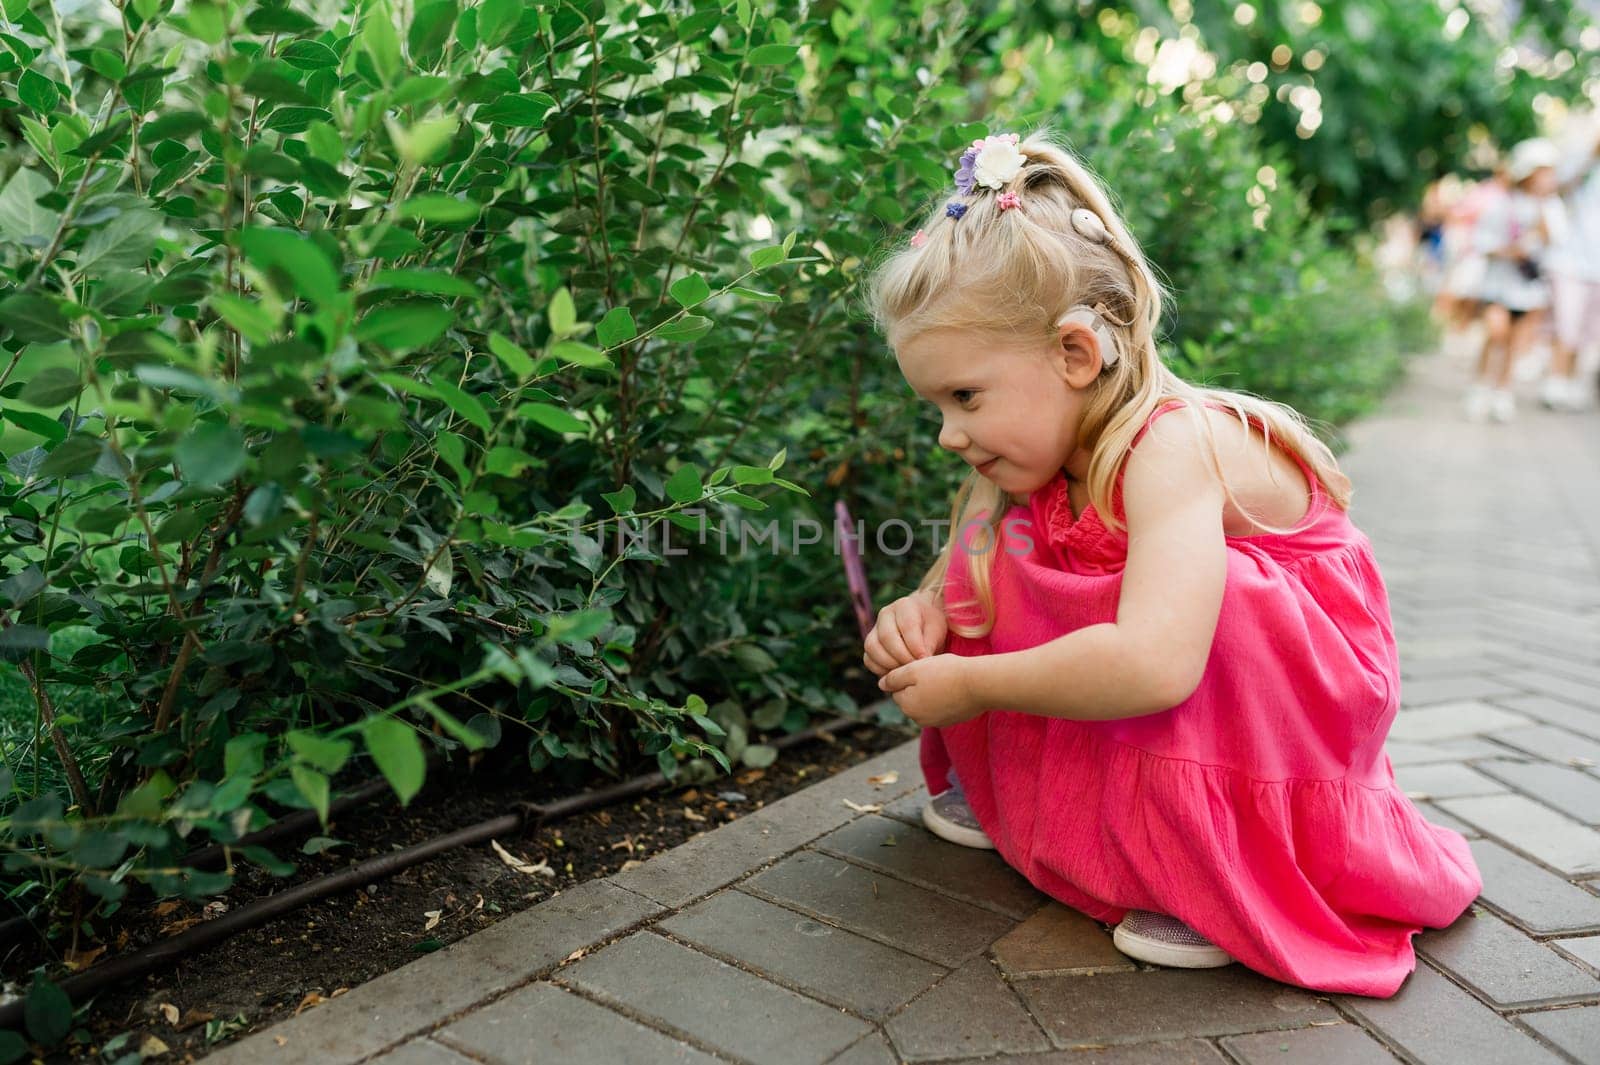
1261	811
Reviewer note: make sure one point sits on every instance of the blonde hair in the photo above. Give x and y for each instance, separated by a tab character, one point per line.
1012	274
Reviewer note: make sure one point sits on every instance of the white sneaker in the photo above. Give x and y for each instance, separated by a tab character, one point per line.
948	816
1579	393
1162	940
1553	393
1502	405
1477	403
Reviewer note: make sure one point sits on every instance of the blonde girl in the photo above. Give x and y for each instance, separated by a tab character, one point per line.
1154	663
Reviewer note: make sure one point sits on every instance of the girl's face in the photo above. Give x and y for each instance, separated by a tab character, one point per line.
1011	414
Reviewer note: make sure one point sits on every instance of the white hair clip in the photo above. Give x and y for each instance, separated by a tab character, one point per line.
1094	319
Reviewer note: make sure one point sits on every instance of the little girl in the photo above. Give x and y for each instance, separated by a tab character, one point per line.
1170	664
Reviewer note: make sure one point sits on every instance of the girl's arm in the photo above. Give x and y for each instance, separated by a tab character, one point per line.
1152	657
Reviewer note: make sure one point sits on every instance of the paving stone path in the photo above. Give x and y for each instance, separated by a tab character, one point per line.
814	931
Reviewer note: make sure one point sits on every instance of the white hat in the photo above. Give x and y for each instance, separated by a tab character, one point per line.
1529	156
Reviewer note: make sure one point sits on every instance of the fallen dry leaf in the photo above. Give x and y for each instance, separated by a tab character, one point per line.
281	1040
433	919
691	815
869	808
164	908
214	908
312	999
751	777
170	1012
527	868
194	1018
575	955
82	959
152	1047
631	863
884	779
691	795
179	925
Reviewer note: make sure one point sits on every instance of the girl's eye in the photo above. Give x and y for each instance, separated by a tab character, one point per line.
964	395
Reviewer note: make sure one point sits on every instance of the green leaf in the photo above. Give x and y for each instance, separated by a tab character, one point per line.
38	92
563	315
462	402
772	55
314	787
47	1012
212	454
690	290
689	327
404	326
51	387
294	263
552	417
33	318
22	219
508	461
622	500
516	109
473	740
37	424
252	320
517	361
616	327
124	242
397	753
684	485
765	257
752	475
496	18
582	354
320	752
380	41
756	294
434	282
309	55
74	455
437	207
759	755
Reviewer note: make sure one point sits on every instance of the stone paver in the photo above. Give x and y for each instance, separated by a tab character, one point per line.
542	1023
1439	1024
1571	791
943	930
828	963
1143	1006
831	927
712	1002
1337	1044
971	1013
1533	897
1576	1031
1058	941
1504	965
1558	841
976	876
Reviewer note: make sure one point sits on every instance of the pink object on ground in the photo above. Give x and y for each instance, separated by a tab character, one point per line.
1261	811
854	573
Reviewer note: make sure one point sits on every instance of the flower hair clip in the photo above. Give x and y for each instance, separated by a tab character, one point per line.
990	162
918	239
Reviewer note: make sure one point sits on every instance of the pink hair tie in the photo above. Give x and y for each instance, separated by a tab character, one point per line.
1008	200
919	239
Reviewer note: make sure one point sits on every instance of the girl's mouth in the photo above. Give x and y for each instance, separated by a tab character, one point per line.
987	466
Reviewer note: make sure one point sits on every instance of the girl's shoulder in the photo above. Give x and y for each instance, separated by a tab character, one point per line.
1268	484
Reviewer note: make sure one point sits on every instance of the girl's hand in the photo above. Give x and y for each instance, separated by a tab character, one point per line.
909	628
935	691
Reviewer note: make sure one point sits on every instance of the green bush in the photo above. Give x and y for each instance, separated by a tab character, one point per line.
338	346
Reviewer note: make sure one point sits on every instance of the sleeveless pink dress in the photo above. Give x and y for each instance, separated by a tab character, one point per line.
1261	811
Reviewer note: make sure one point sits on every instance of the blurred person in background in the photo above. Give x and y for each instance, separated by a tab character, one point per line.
1514	234
1574	265
1456	306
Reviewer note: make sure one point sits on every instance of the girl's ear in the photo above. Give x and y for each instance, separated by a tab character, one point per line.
1077	357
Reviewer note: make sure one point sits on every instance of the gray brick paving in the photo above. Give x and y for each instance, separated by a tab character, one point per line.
1336	1044
813	931
827	963
542	1023
971	1013
1576	1031
1505	966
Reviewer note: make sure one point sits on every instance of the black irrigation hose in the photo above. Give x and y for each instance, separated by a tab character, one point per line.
206	933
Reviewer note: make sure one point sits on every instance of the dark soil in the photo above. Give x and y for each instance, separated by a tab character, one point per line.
267	974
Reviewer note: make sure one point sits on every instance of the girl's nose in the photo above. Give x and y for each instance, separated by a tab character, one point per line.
952	439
